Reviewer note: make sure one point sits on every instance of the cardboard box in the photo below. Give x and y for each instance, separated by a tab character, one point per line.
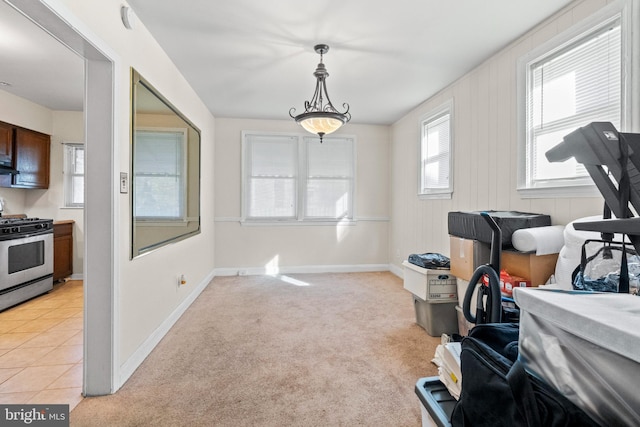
464	326
466	255
462	290
436	286
509	281
536	269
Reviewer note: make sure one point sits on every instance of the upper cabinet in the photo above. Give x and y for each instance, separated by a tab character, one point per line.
31	159
30	154
6	143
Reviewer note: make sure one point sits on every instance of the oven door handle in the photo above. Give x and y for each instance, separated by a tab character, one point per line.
22	236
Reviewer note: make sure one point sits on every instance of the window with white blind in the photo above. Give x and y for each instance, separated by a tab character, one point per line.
289	177
576	79
73	172
435	153
328	186
160	181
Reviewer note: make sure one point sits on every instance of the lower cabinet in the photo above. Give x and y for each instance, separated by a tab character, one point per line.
62	249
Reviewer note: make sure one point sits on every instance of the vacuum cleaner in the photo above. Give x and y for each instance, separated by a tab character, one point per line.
489	298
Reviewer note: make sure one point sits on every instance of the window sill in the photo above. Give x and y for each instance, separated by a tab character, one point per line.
296	223
559	192
435	196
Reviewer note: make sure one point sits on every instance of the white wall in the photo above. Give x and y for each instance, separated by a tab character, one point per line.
298	247
146	290
484	150
20	112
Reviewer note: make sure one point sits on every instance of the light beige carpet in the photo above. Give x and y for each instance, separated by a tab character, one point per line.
299	350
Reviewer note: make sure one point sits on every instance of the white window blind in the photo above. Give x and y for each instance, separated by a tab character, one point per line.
296	178
272	180
329	178
568	88
435	167
73	175
159	159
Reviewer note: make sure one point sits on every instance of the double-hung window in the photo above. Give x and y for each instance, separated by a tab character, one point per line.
290	177
435	153
73	175
160	178
575	79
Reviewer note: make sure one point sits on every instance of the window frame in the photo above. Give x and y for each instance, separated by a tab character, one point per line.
182	217
580	186
435	114
69	174
301	177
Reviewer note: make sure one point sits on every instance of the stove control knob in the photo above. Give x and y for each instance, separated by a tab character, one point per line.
6	230
14	229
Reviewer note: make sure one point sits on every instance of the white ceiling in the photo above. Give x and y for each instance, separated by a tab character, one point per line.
37	66
255	58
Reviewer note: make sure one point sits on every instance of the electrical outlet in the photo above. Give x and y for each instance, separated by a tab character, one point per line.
182	280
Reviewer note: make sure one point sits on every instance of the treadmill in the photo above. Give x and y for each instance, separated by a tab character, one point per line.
612	159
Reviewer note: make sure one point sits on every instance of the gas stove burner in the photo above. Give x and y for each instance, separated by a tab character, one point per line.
20	220
17	227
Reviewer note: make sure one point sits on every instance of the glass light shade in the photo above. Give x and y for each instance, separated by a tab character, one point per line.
324	125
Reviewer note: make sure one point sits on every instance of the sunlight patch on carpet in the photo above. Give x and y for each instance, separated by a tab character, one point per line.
291	280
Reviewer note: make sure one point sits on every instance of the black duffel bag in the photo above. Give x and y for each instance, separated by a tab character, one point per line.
430	260
497	391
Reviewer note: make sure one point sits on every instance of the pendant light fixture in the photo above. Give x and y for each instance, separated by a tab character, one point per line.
319	117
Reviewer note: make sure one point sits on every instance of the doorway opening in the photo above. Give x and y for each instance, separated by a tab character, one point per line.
100	220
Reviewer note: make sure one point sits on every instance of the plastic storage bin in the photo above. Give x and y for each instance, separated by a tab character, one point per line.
435	402
435	297
586	345
436	318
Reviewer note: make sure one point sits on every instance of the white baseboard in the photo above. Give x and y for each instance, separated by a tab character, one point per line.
398	271
253	271
128	368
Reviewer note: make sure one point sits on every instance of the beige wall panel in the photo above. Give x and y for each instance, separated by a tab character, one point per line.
485	150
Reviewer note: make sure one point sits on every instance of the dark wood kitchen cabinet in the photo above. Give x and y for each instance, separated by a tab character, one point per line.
62	249
31	159
6	143
27	151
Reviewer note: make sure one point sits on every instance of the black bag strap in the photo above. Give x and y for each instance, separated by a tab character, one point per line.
623	283
606	214
522	392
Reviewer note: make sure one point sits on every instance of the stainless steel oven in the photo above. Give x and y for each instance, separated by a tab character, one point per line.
26	259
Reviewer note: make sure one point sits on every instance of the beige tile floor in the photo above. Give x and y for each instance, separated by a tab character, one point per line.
41	348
